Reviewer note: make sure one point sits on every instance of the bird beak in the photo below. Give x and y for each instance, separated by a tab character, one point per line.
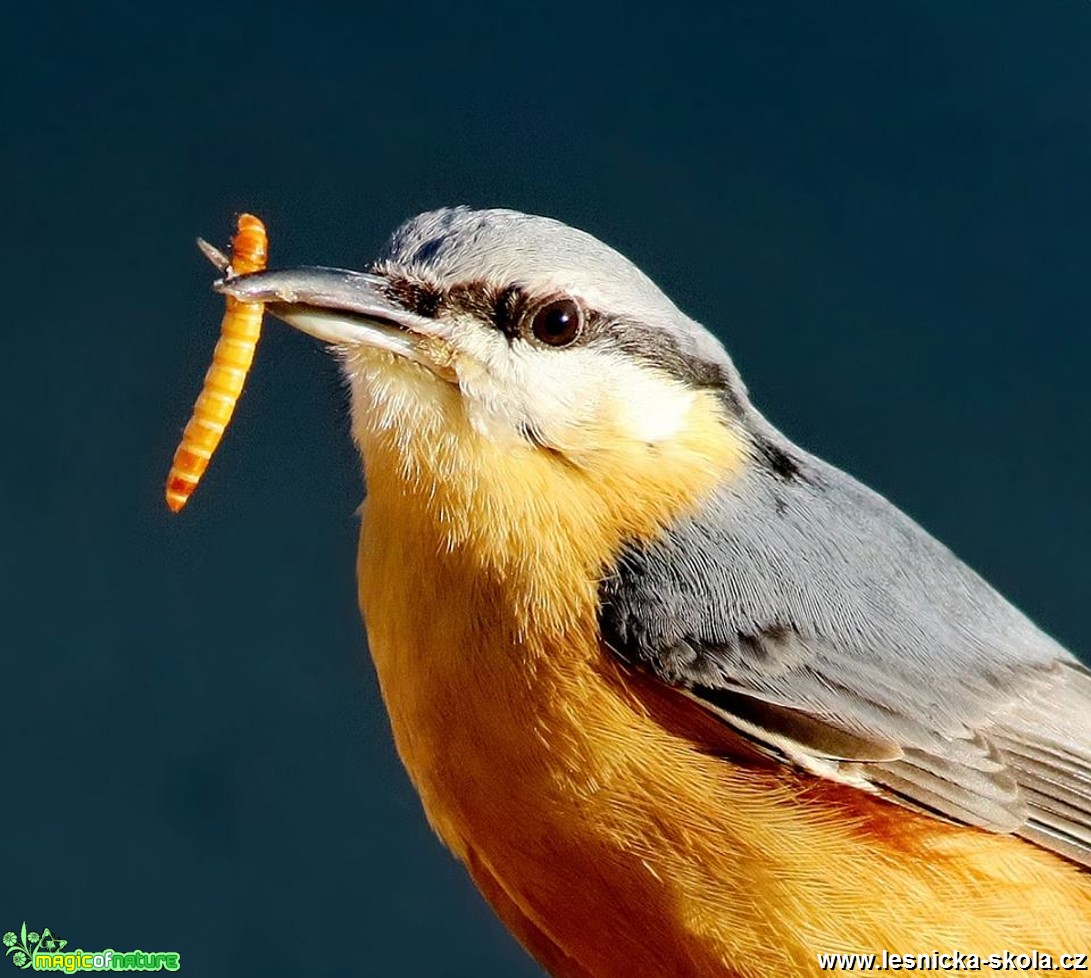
342	307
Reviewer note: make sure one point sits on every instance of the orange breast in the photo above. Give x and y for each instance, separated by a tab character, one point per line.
612	838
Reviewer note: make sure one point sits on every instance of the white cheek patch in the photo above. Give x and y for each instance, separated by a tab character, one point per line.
574	400
651	406
490	400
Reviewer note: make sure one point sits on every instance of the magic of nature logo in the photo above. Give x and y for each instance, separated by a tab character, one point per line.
46	952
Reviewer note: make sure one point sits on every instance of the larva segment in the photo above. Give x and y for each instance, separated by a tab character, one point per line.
239	332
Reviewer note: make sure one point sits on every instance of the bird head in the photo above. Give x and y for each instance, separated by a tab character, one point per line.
518	358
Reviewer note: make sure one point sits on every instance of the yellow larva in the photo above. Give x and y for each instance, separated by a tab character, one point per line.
239	332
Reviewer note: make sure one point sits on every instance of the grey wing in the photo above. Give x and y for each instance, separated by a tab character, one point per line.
823	624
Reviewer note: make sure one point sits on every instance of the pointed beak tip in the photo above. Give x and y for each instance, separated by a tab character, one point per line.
239	288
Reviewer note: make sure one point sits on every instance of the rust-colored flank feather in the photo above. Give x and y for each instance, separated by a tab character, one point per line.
239	332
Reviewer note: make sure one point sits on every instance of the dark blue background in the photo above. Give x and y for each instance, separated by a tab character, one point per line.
883	209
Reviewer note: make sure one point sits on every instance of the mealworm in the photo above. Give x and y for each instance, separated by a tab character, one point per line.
239	332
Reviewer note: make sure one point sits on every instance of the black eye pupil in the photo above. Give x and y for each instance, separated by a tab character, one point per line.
558	323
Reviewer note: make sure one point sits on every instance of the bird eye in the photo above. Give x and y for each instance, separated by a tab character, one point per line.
558	323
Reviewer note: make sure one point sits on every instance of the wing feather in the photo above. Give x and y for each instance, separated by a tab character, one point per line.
824	625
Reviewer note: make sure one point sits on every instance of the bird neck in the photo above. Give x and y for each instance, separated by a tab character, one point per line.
534	522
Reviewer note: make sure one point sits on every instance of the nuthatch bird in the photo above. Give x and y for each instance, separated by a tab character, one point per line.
685	699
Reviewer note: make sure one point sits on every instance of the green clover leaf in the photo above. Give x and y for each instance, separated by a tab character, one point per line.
9	939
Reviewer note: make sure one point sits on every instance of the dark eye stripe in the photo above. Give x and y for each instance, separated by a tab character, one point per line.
661	350
424	300
509	309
